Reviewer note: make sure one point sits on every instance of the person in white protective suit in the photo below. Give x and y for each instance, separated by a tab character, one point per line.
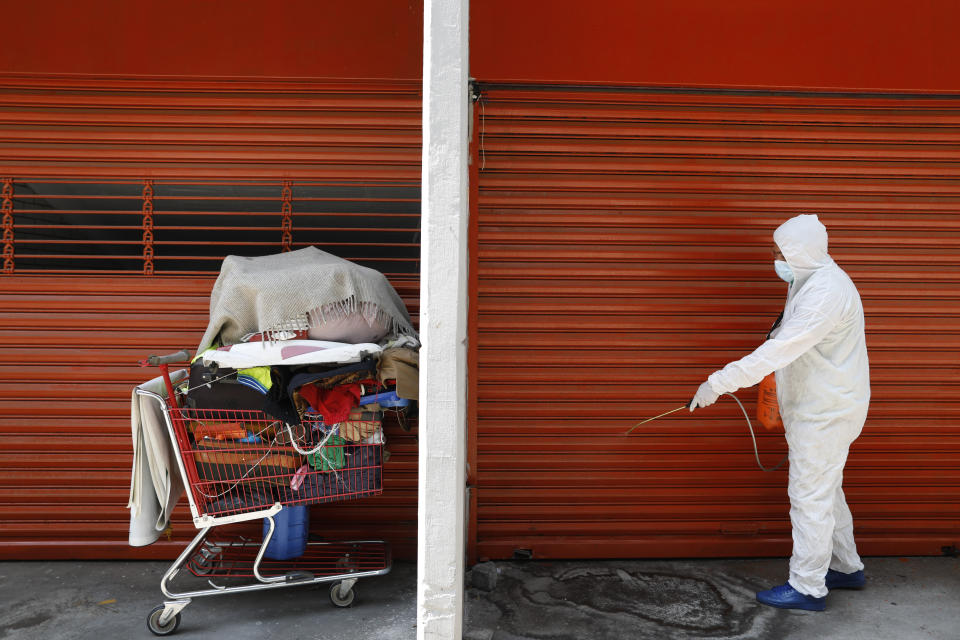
819	354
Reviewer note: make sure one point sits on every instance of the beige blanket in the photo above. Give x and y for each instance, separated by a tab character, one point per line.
296	290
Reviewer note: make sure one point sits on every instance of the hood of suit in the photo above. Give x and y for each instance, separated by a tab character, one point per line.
803	242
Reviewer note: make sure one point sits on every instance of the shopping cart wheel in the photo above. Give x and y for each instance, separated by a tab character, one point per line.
153	622
342	599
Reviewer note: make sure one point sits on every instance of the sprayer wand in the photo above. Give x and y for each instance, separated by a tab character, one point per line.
756	454
683	406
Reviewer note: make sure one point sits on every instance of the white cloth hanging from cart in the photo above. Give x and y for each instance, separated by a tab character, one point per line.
155	483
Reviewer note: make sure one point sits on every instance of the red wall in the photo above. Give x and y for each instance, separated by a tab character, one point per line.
904	45
284	38
901	45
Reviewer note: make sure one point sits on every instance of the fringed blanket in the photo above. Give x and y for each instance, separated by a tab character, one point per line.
295	291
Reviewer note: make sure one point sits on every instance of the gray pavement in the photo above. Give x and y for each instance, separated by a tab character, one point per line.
905	599
111	600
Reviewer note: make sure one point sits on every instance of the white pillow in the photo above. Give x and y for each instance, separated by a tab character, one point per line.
352	329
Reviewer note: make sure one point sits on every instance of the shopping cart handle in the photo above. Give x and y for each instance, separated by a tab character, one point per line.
155	361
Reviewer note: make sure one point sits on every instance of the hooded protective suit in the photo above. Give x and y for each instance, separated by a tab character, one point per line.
819	354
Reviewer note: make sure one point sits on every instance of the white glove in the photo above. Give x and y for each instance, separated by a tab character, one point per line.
705	397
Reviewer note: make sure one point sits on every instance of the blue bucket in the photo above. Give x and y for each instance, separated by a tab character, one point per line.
291	529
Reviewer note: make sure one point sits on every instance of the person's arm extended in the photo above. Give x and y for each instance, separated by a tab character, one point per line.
817	312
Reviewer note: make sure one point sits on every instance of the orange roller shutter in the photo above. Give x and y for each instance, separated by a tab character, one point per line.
622	254
75	318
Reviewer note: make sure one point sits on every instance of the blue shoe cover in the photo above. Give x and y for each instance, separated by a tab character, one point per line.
837	580
786	597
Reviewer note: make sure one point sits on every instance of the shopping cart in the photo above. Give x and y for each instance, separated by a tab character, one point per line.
241	465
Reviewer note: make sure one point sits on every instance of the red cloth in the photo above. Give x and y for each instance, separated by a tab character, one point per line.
333	404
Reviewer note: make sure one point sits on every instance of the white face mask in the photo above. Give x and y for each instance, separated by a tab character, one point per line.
783	271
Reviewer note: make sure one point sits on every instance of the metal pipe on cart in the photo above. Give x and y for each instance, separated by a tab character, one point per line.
163	363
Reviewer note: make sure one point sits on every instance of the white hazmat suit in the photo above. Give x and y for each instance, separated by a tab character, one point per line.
819	353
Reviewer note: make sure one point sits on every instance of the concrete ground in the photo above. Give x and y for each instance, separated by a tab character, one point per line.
111	600
905	599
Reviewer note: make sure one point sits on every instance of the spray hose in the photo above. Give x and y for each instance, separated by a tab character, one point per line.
753	438
756	454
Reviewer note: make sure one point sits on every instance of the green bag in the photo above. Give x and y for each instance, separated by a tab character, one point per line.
330	456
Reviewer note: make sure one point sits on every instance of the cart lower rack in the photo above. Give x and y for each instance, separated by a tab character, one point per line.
243	465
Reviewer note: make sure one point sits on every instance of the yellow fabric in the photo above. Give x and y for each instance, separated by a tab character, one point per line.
260	374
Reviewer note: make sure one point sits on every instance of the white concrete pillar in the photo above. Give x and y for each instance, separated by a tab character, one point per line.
443	321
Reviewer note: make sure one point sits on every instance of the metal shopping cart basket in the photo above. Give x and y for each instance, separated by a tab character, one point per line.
241	465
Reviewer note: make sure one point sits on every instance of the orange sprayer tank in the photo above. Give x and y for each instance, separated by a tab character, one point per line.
768	412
